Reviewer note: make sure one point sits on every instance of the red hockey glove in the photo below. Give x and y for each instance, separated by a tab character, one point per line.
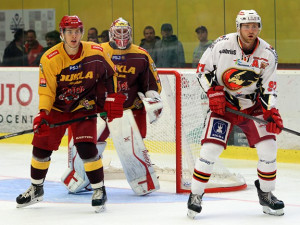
275	124
114	106
217	101
41	124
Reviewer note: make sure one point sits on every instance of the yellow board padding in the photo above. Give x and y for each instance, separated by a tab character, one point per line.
27	139
231	152
91	166
40	165
238	152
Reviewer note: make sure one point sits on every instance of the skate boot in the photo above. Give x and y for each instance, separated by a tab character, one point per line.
99	199
271	205
194	205
33	195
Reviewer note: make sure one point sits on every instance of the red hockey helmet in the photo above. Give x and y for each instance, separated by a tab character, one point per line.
70	22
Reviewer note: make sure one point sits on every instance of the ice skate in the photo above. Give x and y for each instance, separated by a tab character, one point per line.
33	195
271	205
194	205
99	199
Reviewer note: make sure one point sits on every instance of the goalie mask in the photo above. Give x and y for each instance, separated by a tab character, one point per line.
247	16
120	33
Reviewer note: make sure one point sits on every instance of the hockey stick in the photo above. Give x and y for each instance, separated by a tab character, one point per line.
258	120
53	125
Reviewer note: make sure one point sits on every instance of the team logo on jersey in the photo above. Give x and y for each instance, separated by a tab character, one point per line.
43	82
85	103
75	67
52	54
235	79
228	51
118	57
219	129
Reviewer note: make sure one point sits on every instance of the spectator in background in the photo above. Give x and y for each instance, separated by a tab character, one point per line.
104	37
93	35
203	45
52	38
150	39
168	52
32	47
14	53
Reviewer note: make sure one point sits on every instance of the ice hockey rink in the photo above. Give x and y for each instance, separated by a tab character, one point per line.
123	207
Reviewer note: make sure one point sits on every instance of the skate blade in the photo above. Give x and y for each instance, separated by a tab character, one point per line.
99	209
191	214
278	212
39	199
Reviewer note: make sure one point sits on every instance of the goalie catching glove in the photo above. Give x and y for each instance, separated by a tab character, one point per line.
153	105
114	105
275	123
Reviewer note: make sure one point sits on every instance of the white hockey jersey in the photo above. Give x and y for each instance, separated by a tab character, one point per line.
245	77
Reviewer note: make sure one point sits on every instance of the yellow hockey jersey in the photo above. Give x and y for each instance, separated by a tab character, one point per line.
68	85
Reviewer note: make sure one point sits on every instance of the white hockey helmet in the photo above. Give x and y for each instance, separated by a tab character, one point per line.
120	33
247	16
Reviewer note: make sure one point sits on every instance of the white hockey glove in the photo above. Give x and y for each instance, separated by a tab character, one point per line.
153	105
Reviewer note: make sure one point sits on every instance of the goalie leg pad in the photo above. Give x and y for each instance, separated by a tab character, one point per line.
133	154
75	178
74	182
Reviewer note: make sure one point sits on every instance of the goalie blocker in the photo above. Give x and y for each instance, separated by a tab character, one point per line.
131	150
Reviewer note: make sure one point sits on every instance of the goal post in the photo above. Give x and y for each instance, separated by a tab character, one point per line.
186	106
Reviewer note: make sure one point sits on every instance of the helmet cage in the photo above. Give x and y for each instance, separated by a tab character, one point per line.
120	33
247	16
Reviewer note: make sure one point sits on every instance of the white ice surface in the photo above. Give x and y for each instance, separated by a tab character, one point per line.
123	207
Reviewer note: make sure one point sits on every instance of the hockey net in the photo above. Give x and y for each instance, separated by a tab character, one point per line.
173	141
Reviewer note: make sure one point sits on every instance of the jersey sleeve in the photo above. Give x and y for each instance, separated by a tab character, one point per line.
150	79
268	87
207	66
47	83
111	74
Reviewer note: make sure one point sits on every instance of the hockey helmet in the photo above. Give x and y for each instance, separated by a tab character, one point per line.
70	22
120	33
247	16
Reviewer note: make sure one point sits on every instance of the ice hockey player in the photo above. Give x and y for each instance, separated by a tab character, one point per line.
239	71
71	74
136	73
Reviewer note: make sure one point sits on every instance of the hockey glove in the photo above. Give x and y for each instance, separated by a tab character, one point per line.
275	123
41	124
114	106
217	101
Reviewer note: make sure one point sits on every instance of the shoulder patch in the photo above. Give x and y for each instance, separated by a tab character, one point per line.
98	47
52	54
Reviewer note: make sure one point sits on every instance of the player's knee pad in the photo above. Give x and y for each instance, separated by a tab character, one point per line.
41	153
211	151
86	150
267	150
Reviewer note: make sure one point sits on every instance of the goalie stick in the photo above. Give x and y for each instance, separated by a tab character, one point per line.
53	125
258	120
